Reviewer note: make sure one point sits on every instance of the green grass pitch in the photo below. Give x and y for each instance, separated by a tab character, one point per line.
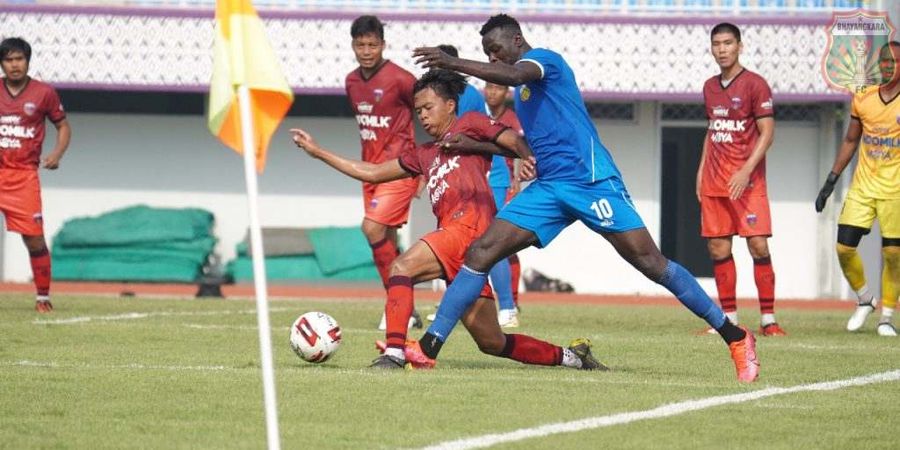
165	373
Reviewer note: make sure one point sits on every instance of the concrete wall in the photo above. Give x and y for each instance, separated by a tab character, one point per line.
172	161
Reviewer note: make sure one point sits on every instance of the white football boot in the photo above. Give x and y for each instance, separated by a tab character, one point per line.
887	329
858	319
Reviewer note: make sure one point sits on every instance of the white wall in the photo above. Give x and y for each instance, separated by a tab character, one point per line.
172	161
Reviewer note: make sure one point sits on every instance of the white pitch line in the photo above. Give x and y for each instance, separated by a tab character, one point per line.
144	315
669	410
54	365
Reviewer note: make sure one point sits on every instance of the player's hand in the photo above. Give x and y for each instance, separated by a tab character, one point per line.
826	191
738	183
432	58
458	143
528	170
305	141
51	162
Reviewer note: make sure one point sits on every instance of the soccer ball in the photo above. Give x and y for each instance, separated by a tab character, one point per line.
315	336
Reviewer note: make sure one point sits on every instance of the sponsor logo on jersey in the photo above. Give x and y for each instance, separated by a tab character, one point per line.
524	94
364	107
12	133
720	111
379	93
30	108
766	104
723	128
879	141
437	183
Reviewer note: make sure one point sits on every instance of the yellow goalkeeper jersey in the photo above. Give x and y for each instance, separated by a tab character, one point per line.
878	170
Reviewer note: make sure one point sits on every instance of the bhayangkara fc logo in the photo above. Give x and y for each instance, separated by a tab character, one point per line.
855	39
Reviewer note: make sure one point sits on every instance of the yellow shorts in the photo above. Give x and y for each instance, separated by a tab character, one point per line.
860	211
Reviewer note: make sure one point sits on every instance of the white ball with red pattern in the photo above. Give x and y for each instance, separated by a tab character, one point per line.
315	336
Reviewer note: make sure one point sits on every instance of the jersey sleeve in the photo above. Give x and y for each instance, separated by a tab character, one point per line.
409	161
53	106
762	99
480	127
547	61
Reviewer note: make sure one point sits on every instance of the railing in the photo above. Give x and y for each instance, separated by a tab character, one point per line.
625	7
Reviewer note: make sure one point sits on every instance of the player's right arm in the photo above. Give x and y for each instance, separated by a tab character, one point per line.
507	75
843	157
360	170
702	163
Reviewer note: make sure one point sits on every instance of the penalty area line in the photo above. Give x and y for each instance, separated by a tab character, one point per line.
669	410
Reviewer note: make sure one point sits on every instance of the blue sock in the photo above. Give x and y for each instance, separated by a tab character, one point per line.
501	281
462	293
683	285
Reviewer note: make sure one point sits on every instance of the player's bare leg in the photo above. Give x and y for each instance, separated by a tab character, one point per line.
415	265
637	247
40	269
481	322
725	273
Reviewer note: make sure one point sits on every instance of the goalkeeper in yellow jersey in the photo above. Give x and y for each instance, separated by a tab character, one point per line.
874	192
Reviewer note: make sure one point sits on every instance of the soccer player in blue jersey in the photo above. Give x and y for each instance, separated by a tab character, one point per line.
501	273
576	180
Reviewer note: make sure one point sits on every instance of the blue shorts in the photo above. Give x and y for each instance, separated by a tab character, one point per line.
547	207
499	196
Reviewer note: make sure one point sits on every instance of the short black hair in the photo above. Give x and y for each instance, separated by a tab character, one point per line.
449	49
726	27
447	84
14	45
890	44
500	21
364	25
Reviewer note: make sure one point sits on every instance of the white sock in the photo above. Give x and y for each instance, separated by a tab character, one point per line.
767	319
395	352
887	314
42	298
732	316
570	359
865	297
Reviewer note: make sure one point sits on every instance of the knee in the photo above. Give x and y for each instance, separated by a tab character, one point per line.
718	250
758	248
35	244
374	231
891	256
400	267
844	251
651	264
492	345
478	256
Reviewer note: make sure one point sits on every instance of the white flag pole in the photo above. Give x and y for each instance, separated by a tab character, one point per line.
259	271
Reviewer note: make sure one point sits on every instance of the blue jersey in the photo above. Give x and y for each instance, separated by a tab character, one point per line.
557	125
471	100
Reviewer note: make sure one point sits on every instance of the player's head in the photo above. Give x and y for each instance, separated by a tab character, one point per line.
501	39
888	57
436	95
495	94
726	44
449	49
15	55
368	41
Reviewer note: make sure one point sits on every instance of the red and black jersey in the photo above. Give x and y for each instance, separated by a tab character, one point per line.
456	184
22	123
732	112
383	106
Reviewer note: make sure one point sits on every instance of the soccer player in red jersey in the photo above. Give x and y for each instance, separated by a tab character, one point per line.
463	204
505	183
25	103
731	179
380	94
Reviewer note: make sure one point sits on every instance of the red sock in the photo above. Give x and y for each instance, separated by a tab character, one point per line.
40	270
765	284
515	270
529	350
384	252
398	309
726	283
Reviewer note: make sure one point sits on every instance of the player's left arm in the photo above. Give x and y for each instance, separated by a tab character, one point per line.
63	137
739	181
503	74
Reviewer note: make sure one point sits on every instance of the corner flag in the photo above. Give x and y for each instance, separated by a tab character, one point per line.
243	57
